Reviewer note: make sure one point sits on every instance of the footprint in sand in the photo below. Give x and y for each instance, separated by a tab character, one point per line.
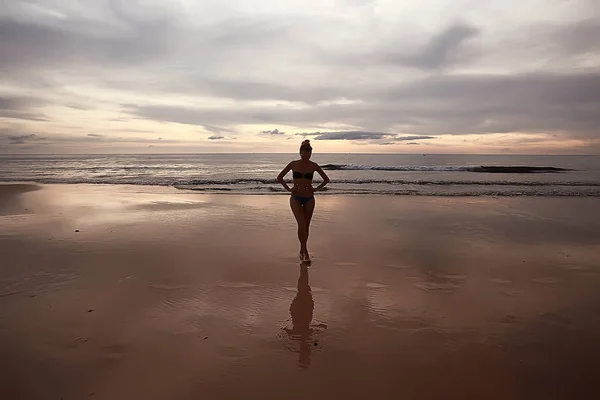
237	285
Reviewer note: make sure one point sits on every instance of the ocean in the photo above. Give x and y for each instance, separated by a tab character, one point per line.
350	174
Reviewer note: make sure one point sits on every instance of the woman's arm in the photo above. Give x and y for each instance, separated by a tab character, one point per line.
282	174
324	176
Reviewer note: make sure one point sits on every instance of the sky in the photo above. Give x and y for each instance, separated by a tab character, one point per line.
368	76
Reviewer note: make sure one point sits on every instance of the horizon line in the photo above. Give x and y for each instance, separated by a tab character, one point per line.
247	152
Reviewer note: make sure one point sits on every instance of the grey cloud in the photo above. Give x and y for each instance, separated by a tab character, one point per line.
131	36
215	137
87	40
20	107
581	37
21	139
198	83
417	137
18	102
348	135
45	140
95	138
78	106
443	49
273	132
550	89
24	115
141	52
438	105
216	129
392	143
560	45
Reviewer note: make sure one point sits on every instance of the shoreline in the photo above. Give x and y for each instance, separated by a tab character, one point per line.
520	193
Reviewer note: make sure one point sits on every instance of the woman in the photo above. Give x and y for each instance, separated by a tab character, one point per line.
302	200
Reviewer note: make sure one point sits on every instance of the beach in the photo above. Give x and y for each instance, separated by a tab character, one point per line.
137	292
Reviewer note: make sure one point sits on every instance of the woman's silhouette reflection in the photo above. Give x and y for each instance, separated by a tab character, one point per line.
301	310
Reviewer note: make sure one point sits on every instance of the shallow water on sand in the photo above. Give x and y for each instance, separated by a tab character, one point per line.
404	298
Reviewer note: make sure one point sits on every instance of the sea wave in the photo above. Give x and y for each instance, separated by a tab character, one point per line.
448	168
233	182
467	192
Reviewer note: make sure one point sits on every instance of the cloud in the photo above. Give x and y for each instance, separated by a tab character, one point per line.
17	102
57	140
358	66
215	137
23	115
216	129
273	132
349	135
20	107
441	50
360	135
433	105
406	138
392	143
53	43
21	139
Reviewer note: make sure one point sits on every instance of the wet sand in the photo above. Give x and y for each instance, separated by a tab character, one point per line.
163	294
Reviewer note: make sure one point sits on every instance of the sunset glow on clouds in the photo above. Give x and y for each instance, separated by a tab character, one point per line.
432	76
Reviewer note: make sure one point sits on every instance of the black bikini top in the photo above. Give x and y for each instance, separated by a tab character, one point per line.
300	175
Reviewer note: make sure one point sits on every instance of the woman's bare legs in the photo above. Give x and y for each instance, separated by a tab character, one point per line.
309	208
299	214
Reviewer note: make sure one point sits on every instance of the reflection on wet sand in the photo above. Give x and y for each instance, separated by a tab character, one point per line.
301	311
10	198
